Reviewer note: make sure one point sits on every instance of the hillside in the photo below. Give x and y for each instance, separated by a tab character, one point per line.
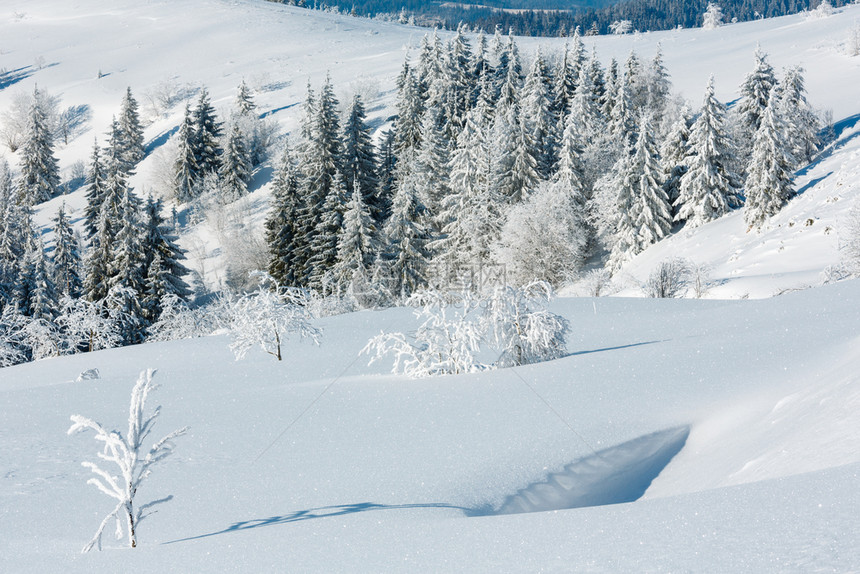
713	435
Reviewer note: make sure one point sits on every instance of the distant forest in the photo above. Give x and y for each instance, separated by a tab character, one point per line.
543	18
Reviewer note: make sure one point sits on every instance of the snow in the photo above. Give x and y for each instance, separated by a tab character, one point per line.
323	463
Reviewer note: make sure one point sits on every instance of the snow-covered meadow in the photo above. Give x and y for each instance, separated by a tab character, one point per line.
323	463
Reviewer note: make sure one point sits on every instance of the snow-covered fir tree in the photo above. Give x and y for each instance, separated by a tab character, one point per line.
410	109
324	240
654	213
40	172
755	94
769	179
356	243
800	120
359	158
538	119
404	259
131	132
245	104
207	131
186	170
162	262
281	223
95	192
430	166
321	186
235	170
709	189
673	155
66	257
38	294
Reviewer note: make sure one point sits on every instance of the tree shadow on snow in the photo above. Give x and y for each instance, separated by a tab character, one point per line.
615	348
321	512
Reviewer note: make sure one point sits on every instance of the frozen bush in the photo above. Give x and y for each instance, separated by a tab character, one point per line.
669	279
520	327
446	343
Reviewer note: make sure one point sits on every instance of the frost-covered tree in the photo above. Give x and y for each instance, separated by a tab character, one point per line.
769	179
801	122
544	237
95	192
709	189
429	169
410	110
755	94
323	243
186	170
130	131
471	210
281	224
654	213
66	257
713	17
405	259
359	158
162	261
245	100
134	463
520	327
658	87
356	243
267	317
12	349
87	326
235	173
673	155
38	294
538	119
447	342
207	131
40	172
176	321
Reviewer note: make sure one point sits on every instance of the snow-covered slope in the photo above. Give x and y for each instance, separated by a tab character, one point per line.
387	474
89	55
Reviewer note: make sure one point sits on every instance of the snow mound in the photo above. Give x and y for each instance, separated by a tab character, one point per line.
612	476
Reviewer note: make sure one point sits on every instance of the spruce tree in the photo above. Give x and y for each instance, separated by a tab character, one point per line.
658	87
356	243
405	259
709	189
410	109
281	224
801	123
185	169
245	100
755	94
320	161
162	261
769	179
654	213
673	155
97	263
66	258
95	192
324	241
40	172
38	294
430	166
235	168
207	131
538	118
131	130
359	158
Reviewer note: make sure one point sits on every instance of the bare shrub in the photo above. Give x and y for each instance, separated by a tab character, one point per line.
669	279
